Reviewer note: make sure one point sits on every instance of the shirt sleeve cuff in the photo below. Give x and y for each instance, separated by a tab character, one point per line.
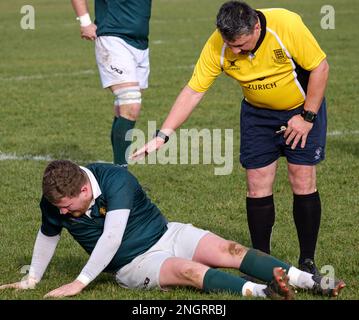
84	279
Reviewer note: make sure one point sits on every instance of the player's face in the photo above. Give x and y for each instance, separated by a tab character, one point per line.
244	44
75	206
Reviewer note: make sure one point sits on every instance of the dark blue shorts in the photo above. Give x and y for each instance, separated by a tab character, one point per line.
261	145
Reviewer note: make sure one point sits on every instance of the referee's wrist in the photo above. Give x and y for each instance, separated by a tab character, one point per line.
161	135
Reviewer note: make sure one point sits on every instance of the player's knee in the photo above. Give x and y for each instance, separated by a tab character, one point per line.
130	112
128	102
235	249
189	272
128	96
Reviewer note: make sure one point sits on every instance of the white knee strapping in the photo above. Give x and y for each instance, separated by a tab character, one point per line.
127	95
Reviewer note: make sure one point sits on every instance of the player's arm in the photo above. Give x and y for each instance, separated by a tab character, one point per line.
87	28
105	249
44	250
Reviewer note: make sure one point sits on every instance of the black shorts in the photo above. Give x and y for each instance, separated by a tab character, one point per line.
261	145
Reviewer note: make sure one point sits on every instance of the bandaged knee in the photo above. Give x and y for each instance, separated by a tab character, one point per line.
127	95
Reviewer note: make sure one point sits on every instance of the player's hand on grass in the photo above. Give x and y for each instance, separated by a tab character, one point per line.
29	283
67	290
297	130
149	147
89	32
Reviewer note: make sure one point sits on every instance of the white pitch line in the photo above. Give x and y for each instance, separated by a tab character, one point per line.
50	75
14	156
69	74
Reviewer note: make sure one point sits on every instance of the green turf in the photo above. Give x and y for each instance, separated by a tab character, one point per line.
52	105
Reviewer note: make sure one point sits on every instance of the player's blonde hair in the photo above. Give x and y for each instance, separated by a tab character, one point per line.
62	178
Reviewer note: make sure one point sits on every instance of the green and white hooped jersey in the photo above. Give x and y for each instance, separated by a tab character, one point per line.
119	190
127	19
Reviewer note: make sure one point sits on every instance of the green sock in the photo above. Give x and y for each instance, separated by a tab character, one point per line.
120	126
218	281
260	265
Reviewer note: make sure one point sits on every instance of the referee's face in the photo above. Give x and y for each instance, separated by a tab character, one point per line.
244	44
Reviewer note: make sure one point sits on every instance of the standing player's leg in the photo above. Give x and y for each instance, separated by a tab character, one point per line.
127	108
125	70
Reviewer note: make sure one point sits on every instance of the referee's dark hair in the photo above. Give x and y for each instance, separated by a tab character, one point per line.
236	18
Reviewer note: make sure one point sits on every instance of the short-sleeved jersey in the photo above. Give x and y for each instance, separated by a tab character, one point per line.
127	19
275	75
120	190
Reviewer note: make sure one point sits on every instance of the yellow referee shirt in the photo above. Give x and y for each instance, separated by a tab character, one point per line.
275	75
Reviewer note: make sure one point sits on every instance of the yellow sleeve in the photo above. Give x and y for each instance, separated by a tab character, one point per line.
208	66
302	45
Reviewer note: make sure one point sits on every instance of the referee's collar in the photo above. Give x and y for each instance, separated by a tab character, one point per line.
263	22
96	191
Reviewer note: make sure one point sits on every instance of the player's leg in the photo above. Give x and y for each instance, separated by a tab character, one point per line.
204	247
215	251
118	65
182	272
127	108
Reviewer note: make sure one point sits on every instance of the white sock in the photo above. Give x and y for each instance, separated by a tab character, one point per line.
300	279
252	289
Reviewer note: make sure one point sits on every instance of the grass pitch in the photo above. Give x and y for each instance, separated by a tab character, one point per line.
52	106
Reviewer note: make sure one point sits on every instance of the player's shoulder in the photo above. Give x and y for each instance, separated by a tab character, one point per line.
105	167
109	173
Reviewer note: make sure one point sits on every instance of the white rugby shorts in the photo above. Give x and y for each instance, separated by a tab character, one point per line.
118	62
180	240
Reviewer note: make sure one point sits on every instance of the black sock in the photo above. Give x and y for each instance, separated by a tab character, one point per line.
120	126
260	216
307	213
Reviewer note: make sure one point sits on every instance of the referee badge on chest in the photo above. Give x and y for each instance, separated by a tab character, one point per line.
279	56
